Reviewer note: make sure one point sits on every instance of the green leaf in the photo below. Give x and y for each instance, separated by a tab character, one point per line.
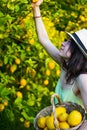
25	115
10	6
5	59
16	8
10	115
5	91
1	14
17	101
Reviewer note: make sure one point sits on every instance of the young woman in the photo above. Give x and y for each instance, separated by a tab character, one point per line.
72	57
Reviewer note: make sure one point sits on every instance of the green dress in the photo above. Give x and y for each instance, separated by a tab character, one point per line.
67	95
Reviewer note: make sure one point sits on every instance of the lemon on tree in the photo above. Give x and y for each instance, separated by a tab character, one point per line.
23	82
26	124
41	122
17	61
19	94
48	72
46	82
51	65
1	107
74	118
34	0
5	103
13	68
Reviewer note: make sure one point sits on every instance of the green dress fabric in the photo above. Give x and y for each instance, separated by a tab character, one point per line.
67	95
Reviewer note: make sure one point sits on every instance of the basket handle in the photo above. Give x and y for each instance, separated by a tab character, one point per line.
54	111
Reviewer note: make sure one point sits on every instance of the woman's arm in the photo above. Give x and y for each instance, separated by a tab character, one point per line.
82	83
43	36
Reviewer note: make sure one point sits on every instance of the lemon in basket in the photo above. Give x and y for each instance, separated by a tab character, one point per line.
59	110
63	116
50	123
41	122
64	125
45	128
74	118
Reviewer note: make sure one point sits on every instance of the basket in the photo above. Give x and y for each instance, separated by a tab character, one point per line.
49	109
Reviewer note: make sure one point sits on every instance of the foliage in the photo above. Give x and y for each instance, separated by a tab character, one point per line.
27	74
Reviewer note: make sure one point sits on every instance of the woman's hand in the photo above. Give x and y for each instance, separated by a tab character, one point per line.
38	3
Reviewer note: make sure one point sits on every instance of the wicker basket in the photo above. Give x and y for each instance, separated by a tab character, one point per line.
49	109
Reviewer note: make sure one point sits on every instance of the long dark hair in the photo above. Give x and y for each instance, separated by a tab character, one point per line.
77	63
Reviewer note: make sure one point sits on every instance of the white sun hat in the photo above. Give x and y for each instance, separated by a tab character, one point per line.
80	38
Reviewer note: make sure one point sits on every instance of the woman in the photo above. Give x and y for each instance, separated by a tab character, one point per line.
72	57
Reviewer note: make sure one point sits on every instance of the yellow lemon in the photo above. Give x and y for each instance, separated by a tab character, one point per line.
19	94
23	82
74	118
17	61
50	123
31	41
58	72
48	72
1	63
59	110
63	116
51	65
5	103
64	125
13	68
1	107
45	128
41	122
34	1
46	82
26	124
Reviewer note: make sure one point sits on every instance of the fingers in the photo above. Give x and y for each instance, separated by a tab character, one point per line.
38	2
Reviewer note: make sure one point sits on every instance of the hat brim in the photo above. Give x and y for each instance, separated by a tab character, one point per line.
82	50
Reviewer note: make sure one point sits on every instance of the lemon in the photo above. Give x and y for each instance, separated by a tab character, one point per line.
13	68
50	123
19	94
51	65
26	124
45	128
34	1
60	110
5	103
63	116
46	82
17	61
1	107
23	82
48	72
58	72
41	122
64	125
74	118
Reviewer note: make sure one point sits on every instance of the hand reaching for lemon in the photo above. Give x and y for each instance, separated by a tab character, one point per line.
36	3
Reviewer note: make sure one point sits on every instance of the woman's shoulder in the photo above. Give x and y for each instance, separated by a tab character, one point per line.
82	76
82	79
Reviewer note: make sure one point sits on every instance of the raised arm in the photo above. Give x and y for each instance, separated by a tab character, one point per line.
42	34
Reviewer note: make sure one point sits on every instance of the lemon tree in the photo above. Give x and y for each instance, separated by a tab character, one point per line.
28	75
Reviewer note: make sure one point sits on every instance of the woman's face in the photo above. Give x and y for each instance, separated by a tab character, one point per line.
64	51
